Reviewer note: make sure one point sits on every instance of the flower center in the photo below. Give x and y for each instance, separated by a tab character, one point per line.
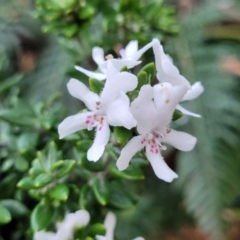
94	120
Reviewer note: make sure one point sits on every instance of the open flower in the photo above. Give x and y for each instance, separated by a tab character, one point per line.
196	90
166	71
110	224
153	127
110	108
66	228
129	60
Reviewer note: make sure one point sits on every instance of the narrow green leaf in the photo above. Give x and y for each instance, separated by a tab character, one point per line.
42	180
89	165
52	155
150	71
13	117
65	168
16	208
26	183
131	173
27	140
5	216
122	134
9	82
101	190
59	192
176	115
41	216
97	229
142	79
86	198
96	85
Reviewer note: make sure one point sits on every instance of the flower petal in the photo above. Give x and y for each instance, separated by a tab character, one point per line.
166	98
78	90
72	124
98	55
120	63
139	238
91	74
118	113
140	52
131	48
101	139
144	111
42	235
186	112
166	71
160	167
196	90
120	82
180	140
132	147
110	224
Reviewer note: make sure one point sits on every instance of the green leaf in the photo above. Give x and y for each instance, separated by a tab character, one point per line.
42	180
71	30
52	155
97	229
119	198
96	85
9	82
86	12
16	118
149	69
101	190
131	173
27	140
16	208
65	168
84	144
86	198
142	79
5	216
59	192
89	165
122	134
41	216
176	115
26	183
21	164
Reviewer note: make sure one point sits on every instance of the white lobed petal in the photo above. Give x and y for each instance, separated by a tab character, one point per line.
78	90
118	113
186	112
144	111
139	238
196	90
120	82
131	48
161	169
91	74
98	55
110	224
72	124
140	52
42	235
166	71
180	140
132	147
101	139
166	98
120	63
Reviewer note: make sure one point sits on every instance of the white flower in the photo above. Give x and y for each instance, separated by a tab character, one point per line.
166	71
153	127
110	224
66	228
110	108
196	90
129	60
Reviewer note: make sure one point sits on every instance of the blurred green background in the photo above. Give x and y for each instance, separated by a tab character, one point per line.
41	41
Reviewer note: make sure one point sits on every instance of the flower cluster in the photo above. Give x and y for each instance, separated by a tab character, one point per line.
81	218
150	112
